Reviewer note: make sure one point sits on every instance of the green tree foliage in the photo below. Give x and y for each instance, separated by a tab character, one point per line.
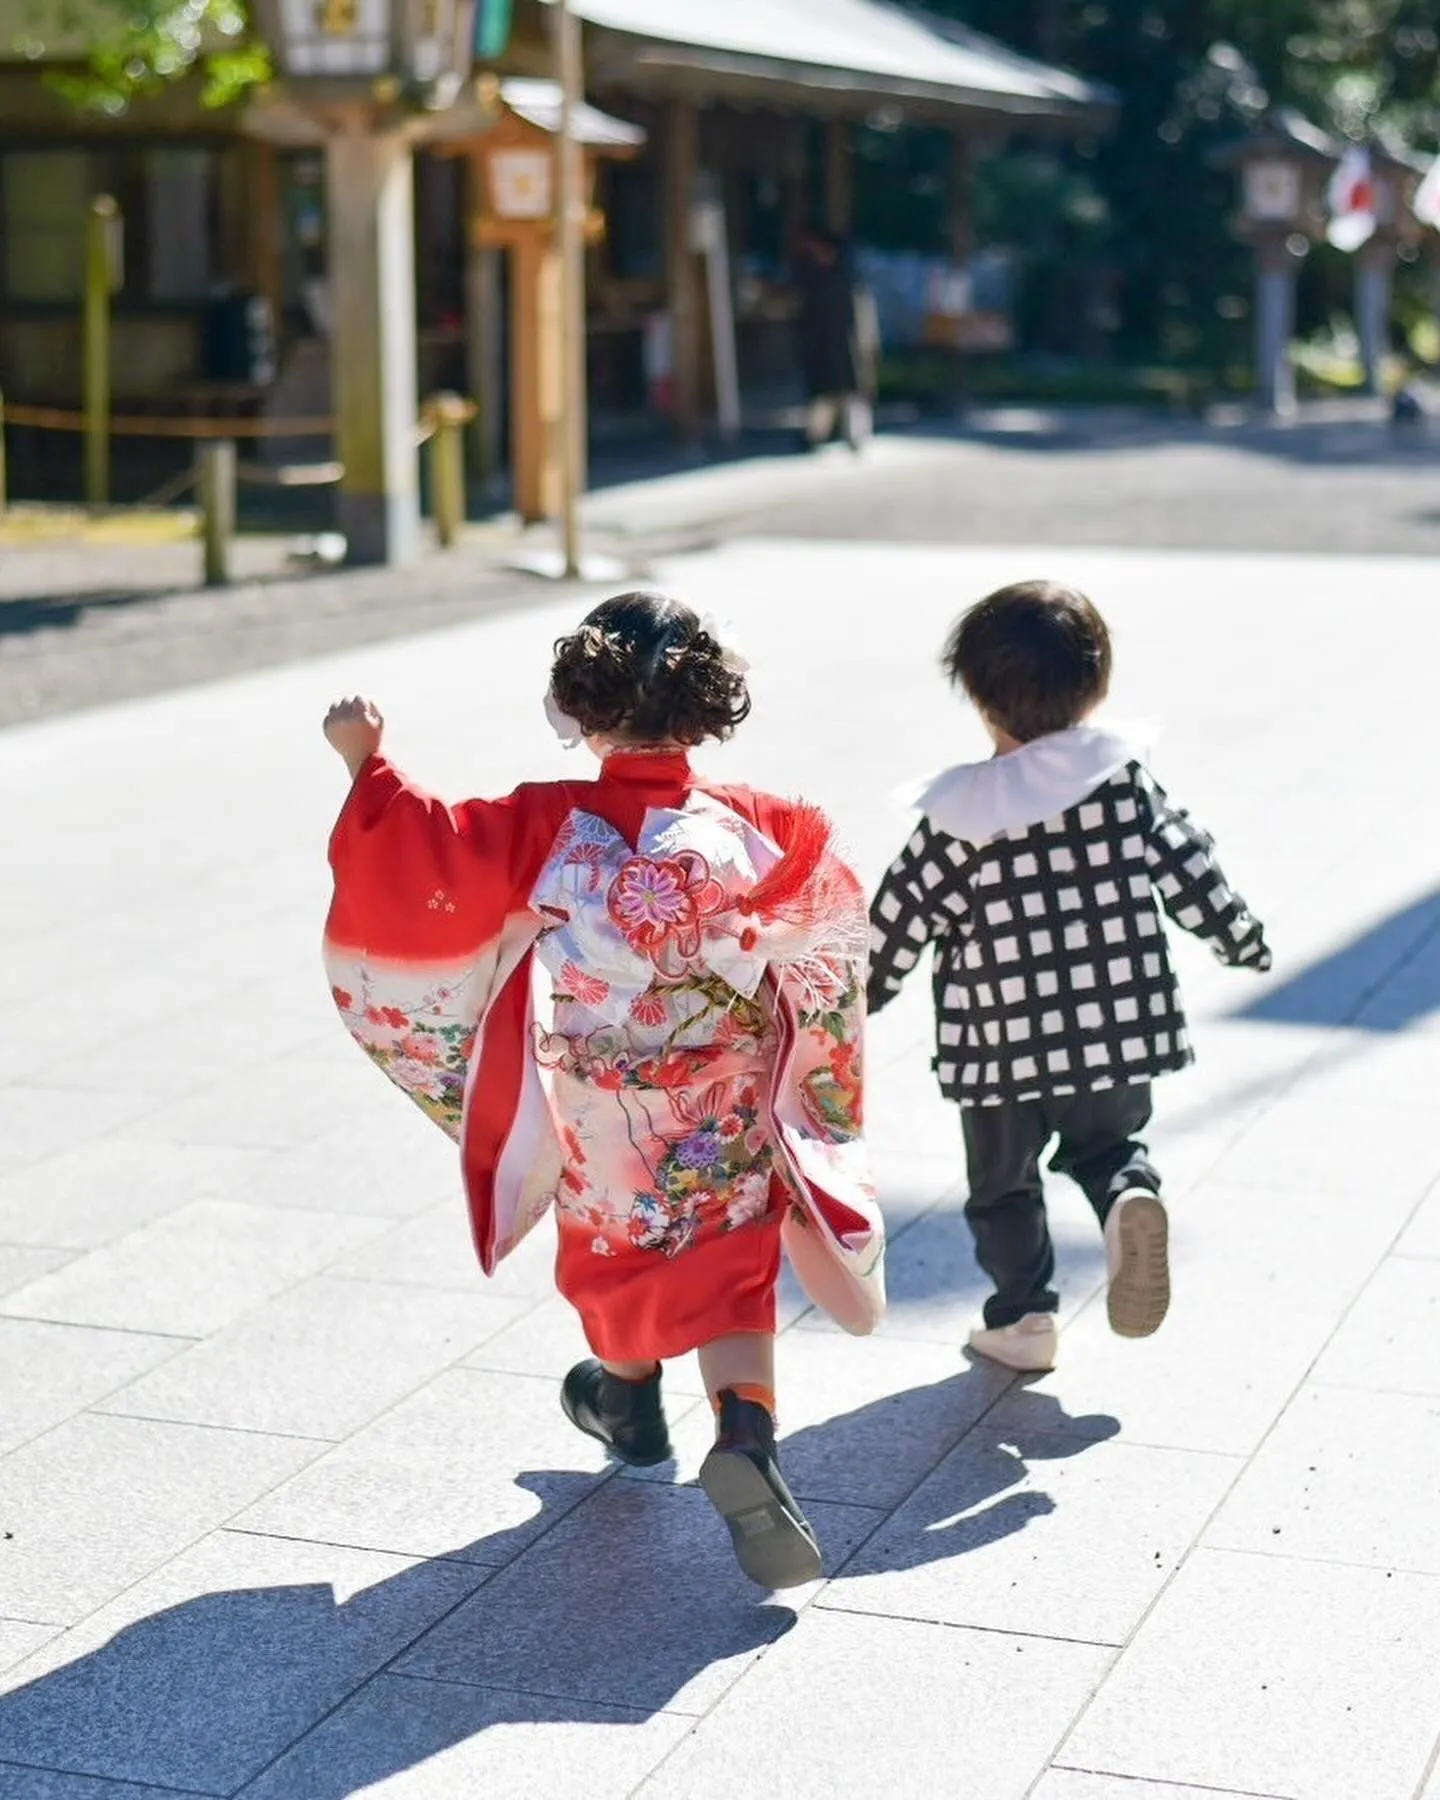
136	47
1163	277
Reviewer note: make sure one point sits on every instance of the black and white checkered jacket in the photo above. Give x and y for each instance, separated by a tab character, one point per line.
1052	974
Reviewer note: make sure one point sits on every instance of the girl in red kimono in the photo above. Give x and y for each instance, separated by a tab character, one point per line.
635	1000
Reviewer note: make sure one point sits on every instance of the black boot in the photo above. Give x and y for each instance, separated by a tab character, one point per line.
628	1417
773	1539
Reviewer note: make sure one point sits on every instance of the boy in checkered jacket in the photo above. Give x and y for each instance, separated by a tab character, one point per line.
1035	875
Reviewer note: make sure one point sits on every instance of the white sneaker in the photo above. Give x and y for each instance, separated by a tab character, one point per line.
1029	1345
1137	1249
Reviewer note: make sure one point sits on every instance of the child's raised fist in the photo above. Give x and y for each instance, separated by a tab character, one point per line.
354	728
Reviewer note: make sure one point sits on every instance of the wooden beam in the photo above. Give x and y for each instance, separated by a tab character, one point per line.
682	141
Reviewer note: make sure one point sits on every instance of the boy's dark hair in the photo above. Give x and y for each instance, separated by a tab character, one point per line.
642	667
1034	657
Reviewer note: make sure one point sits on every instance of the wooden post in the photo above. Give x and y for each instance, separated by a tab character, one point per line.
264	226
570	235
449	414
536	351
102	227
370	190
217	508
682	135
484	330
839	183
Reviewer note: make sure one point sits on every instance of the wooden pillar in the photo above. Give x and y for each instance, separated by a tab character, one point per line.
265	227
484	330
839	182
370	190
682	145
536	347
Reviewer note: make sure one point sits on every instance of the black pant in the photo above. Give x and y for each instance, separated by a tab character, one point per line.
1098	1148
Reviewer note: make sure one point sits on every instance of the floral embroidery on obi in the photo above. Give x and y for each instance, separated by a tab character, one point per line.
662	1047
618	920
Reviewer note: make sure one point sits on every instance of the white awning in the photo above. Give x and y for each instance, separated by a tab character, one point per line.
864	48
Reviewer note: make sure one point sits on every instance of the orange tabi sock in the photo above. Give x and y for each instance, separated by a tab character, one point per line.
752	1391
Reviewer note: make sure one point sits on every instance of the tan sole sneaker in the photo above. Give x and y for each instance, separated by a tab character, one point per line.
1029	1346
1137	1249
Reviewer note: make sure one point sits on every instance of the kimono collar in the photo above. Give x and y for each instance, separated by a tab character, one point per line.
1040	780
647	768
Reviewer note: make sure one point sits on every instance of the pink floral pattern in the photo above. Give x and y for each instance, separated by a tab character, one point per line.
657	905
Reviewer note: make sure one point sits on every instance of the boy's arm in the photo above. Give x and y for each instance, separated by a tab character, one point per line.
922	896
1192	885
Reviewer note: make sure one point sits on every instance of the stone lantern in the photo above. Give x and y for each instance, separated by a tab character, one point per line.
366	78
1283	168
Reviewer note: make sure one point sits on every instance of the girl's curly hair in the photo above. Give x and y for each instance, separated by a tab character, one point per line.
641	667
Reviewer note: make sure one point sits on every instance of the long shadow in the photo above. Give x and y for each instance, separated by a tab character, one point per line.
203	1697
29	613
1384	980
624	1607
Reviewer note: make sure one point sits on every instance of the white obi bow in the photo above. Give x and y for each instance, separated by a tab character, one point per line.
618	919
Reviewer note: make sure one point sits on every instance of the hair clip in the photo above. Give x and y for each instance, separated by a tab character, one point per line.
734	659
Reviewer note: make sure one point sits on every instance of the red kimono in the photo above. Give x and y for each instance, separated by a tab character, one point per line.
635	1000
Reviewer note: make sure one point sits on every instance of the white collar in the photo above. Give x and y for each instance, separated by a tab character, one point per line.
1040	780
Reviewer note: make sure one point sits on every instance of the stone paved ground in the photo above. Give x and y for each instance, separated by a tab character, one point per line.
288	1507
79	627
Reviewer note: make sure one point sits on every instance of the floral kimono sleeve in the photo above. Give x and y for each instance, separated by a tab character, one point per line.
415	940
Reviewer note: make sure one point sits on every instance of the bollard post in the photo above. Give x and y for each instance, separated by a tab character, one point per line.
447	465
103	276
217	508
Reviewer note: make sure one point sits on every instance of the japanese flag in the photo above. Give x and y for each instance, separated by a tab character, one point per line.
1352	201
1427	197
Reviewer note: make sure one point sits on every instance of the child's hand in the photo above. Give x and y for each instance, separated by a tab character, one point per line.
354	728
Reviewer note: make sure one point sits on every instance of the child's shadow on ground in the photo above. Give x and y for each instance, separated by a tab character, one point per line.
630	1599
972	1495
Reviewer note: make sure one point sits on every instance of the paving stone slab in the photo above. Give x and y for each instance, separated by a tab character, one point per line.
404	1739
99	1502
1271	1676
49	1372
20	1265
189	1274
832	1709
1387	1339
1345	1476
89	1196
20	1638
1303	1146
36	1122
46	1784
284	1103
1020	1529
634	1599
201	1675
1421	1236
387	1159
434	1249
1214	1377
319	1361
474	1466
1282	1249
1077	1784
